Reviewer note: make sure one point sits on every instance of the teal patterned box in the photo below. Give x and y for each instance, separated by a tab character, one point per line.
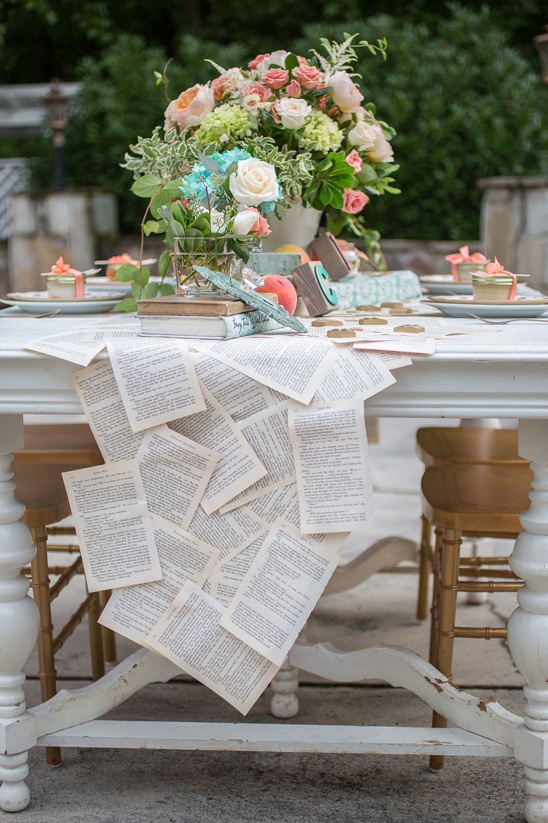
359	289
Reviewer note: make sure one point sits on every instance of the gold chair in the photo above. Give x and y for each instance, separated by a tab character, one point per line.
462	445
468	500
38	467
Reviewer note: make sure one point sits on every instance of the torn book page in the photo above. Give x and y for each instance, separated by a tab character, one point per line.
175	472
393	360
156	379
238	466
354	376
295	365
231	533
113	525
227	578
190	636
74	346
238	394
332	464
268	435
102	403
401	344
134	610
279	592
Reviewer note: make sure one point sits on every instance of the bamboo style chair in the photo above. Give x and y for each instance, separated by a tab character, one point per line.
464	497
38	468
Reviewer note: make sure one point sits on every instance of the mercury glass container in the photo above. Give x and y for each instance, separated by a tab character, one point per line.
493	288
61	286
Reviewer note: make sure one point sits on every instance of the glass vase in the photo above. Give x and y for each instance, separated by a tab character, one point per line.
191	284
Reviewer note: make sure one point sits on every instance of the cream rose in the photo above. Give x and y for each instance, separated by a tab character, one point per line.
381	151
254	182
190	108
293	112
244	221
277	58
345	93
363	135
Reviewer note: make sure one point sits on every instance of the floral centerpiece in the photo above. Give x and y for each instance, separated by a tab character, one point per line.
283	130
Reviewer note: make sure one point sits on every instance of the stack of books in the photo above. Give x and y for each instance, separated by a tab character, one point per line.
220	319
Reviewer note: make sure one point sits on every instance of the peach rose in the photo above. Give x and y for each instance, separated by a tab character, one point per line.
354	201
275	78
294	89
190	108
226	82
354	160
381	151
345	93
308	76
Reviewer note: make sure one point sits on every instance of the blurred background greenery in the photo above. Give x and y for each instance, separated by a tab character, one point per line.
462	86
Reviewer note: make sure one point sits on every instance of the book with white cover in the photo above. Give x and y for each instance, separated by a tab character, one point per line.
222	328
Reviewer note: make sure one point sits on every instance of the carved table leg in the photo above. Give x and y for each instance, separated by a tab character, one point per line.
18	614
528	626
285	703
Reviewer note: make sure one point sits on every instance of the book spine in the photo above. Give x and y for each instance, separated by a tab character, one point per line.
255	322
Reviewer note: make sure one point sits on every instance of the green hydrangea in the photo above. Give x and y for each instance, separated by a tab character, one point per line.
224	126
320	133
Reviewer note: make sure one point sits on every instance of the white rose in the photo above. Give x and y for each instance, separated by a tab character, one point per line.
363	135
190	108
381	151
293	112
244	221
254	182
345	93
251	102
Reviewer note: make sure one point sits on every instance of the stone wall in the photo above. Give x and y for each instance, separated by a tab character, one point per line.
45	225
514	225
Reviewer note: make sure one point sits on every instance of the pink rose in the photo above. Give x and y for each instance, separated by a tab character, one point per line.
294	89
354	201
250	221
259	59
346	95
354	160
190	108
275	78
257	88
273	108
308	76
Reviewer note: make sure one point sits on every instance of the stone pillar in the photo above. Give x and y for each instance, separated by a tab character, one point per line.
47	224
514	225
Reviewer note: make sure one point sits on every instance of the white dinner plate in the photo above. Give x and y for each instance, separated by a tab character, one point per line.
444	284
38	302
464	307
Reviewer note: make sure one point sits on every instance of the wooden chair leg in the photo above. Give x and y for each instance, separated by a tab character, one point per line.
433	656
96	639
450	559
46	661
109	637
424	570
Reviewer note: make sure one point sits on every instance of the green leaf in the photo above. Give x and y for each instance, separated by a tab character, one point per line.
158	77
151	290
291	62
146	186
163	263
151	227
136	290
239	248
126	273
127	304
166	288
142	276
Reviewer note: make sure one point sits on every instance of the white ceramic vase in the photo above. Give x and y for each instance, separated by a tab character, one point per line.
299	225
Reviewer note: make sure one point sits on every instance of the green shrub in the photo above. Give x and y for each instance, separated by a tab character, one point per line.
465	105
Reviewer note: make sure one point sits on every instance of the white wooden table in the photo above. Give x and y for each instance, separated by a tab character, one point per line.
490	375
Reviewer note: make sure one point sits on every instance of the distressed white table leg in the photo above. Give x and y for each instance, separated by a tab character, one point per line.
285	703
18	613
528	626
